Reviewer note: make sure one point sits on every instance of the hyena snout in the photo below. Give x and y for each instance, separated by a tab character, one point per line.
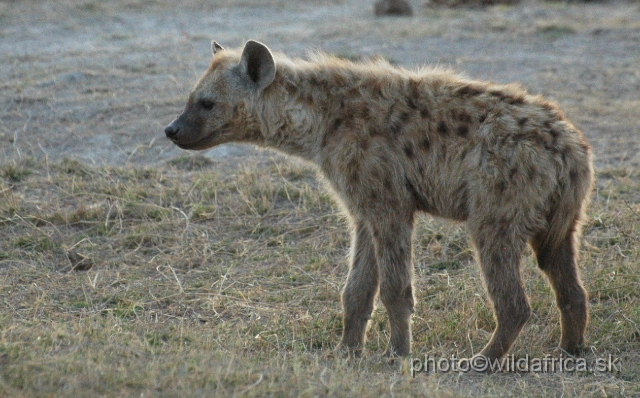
172	130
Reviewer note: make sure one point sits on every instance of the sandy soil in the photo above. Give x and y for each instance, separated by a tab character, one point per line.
99	82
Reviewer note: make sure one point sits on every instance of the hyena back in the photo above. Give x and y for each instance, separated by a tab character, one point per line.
391	142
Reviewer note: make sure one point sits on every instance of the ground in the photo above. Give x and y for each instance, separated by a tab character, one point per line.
131	267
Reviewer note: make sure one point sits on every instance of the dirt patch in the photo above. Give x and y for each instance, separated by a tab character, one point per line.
98	82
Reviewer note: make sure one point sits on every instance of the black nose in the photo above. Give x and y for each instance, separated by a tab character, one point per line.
171	130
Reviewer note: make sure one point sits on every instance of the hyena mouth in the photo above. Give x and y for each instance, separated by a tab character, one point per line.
172	133
199	144
216	137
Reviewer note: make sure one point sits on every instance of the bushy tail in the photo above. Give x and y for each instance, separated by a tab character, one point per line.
568	212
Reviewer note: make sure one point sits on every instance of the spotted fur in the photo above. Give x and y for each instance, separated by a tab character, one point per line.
391	142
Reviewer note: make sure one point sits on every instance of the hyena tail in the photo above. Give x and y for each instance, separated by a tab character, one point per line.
568	211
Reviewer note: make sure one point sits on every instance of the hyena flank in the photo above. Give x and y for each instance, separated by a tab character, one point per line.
391	142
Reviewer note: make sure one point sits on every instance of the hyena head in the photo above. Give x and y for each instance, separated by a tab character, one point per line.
222	105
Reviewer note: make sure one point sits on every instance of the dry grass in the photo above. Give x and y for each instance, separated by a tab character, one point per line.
213	280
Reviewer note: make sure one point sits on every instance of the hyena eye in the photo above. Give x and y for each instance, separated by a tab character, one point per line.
206	104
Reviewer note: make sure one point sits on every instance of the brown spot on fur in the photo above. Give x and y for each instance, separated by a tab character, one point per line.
320	81
442	128
499	94
425	144
470	90
510	99
291	88
538	138
377	88
482	118
414	88
532	173
363	143
519	137
564	152
411	102
463	130
338	80
513	172
408	149
397	126
361	111
502	186
424	113
522	121
308	100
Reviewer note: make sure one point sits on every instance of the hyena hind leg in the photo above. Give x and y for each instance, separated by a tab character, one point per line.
499	254
558	262
360	290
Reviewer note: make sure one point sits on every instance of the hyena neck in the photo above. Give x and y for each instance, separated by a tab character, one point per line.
296	111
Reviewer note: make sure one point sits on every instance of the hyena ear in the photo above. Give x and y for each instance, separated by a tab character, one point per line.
215	47
257	64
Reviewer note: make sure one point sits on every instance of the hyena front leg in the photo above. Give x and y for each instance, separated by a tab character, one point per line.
393	251
499	252
360	290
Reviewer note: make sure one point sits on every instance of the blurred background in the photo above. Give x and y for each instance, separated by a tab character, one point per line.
99	80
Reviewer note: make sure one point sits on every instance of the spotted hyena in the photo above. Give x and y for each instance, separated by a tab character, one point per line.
392	142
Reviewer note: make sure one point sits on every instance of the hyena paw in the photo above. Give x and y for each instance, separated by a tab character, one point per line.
573	351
